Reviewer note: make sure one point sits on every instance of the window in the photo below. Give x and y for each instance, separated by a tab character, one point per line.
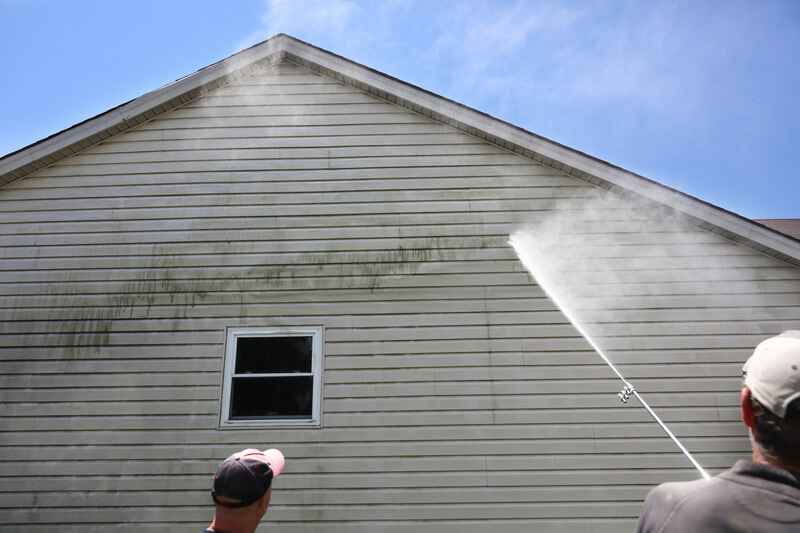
272	377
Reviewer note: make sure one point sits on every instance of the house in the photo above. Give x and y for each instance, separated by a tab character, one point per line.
289	202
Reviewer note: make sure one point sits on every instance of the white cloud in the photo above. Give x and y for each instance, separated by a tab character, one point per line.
499	55
479	36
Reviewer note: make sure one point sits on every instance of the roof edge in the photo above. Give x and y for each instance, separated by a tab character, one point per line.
120	118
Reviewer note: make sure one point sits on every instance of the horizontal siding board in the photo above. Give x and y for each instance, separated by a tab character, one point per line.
380	301
148	407
306	176
185	378
268	120
164	155
298	83
122	144
604	389
372	420
88	395
528	374
409	340
382	465
111	339
399	220
243	106
113	248
436	360
458	323
149	235
286	438
234	165
308	99
293	198
218	280
330	497
279	278
432	186
127	408
184	303
458	206
287	304
397	512
433	448
255	132
309	85
226	283
439	314
279	79
534	344
366	236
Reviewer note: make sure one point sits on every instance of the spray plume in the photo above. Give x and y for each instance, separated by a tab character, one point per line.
537	259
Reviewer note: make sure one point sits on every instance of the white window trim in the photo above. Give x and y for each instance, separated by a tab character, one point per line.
317	357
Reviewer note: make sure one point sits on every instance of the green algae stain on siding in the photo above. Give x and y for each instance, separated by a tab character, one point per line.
86	329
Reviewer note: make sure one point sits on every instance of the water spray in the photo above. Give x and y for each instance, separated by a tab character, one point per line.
525	255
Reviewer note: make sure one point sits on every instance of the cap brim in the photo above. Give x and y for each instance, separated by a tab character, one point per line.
275	460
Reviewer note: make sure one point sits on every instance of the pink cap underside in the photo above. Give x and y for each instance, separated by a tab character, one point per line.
276	461
274	458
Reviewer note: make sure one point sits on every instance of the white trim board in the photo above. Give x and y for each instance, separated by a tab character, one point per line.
283	47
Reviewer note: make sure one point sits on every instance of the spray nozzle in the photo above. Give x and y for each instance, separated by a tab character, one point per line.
625	394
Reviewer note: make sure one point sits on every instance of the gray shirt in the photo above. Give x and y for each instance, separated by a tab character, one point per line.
748	498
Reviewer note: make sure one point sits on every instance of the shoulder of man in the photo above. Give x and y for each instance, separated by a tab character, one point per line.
664	501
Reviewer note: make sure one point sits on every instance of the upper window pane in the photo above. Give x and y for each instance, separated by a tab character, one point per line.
273	355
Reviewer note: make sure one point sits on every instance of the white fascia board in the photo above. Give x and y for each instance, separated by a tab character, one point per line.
575	161
122	115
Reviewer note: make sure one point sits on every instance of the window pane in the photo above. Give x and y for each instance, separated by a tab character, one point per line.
265	355
285	397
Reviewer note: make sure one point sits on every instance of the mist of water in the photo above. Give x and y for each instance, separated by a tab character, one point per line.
562	256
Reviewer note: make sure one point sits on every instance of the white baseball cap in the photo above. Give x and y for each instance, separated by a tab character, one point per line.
773	372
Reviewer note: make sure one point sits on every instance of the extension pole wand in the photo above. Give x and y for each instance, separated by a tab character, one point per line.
629	389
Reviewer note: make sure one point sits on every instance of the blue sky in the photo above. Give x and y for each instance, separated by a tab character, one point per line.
700	96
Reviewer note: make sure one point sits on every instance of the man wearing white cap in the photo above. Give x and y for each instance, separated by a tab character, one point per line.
760	495
242	490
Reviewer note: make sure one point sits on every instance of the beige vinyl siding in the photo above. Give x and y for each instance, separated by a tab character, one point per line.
456	397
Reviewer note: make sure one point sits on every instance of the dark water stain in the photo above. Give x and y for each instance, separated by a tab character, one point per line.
88	329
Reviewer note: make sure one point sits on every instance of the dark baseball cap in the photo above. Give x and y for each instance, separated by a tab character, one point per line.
245	476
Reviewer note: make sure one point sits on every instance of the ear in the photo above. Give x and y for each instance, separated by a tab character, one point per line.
746	408
264	505
269	495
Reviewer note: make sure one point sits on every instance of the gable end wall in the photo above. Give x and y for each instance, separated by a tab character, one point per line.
456	396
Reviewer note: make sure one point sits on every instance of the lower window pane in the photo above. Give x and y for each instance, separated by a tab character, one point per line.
273	398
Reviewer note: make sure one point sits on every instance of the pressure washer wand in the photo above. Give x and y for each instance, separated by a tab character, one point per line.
543	280
626	393
629	390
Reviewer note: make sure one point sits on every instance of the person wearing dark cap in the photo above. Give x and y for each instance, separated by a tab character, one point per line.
242	490
759	495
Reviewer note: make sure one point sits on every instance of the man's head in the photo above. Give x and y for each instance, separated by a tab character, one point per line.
771	398
243	487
